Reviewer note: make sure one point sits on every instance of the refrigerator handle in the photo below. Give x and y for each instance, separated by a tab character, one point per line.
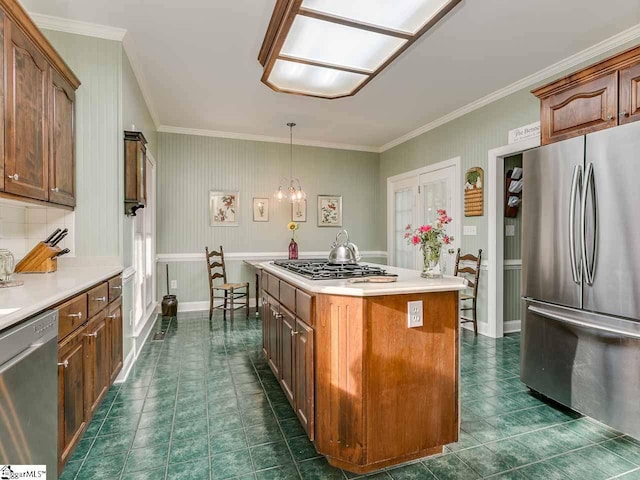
587	183
576	186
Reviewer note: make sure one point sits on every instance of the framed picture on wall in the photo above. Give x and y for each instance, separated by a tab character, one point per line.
224	209
260	209
299	211
329	210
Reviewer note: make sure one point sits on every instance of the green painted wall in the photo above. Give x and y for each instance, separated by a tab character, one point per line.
97	63
191	166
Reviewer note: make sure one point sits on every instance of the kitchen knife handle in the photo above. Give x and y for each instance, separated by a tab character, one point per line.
56	231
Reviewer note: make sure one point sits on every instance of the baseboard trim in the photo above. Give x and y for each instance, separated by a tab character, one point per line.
483	328
512	326
129	362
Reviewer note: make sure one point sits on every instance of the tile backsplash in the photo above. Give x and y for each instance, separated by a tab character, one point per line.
24	225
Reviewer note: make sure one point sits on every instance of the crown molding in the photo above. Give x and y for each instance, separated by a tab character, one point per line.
265	138
78	27
545	74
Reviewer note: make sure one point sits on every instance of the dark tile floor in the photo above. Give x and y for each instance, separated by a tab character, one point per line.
203	404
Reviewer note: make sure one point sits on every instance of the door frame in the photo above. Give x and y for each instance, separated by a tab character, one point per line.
456	202
495	245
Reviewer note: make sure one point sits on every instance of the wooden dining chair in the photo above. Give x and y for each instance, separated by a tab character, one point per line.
472	275
232	291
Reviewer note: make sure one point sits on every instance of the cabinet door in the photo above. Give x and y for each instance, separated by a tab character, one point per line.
114	324
588	107
287	351
304	384
265	318
26	159
630	94
97	345
273	337
62	153
72	407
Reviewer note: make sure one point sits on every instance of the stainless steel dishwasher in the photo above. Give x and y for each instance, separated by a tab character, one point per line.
29	393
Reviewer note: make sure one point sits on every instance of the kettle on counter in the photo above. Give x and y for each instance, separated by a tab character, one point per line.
344	252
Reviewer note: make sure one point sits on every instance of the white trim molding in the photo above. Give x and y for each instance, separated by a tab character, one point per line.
513	264
128	274
585	55
241	256
512	326
495	220
203	306
78	27
265	138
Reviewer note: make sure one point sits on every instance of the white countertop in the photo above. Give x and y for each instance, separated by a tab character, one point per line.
42	290
409	281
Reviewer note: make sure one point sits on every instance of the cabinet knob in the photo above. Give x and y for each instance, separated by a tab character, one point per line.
56	189
116	287
623	114
64	364
610	117
15	177
114	316
75	315
94	334
99	299
293	334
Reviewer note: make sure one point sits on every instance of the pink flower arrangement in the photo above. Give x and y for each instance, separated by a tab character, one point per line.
433	236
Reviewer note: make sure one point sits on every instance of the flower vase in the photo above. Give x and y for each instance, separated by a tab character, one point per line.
431	267
293	250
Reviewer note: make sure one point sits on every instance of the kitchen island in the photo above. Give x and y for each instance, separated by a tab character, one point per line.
370	391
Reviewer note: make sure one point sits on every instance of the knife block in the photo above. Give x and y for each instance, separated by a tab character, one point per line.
41	259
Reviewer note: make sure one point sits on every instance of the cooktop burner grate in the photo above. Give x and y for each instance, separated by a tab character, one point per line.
320	269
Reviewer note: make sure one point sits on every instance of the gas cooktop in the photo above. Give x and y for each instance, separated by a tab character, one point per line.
321	269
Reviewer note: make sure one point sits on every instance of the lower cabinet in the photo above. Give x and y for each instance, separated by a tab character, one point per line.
287	324
287	341
114	333
99	374
72	405
303	364
90	356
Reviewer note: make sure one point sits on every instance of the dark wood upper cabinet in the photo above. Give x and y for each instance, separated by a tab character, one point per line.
135	171
601	96
630	94
37	129
26	115
62	137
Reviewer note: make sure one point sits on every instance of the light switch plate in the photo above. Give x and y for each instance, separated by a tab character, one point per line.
510	230
414	314
470	230
174	284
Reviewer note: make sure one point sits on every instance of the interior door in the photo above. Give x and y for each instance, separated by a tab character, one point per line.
612	280
548	223
436	193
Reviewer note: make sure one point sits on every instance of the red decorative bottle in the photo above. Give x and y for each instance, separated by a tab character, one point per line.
293	250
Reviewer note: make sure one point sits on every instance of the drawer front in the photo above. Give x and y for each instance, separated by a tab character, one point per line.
288	296
98	298
585	108
71	315
115	288
304	307
273	286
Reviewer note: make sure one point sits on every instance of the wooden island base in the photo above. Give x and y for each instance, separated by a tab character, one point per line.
370	391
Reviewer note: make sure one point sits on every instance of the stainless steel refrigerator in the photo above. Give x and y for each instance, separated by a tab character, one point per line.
581	274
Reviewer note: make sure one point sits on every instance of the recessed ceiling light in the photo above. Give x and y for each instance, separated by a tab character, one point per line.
333	48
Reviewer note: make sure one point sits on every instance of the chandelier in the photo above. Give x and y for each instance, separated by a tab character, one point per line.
293	189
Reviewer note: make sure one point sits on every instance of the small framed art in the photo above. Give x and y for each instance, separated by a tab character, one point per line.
260	209
224	209
329	210
299	211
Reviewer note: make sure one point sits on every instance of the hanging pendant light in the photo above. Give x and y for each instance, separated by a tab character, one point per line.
293	190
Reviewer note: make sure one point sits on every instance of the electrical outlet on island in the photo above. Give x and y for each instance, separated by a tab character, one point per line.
414	314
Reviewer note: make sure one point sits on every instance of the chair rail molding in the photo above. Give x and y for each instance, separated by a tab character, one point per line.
240	256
